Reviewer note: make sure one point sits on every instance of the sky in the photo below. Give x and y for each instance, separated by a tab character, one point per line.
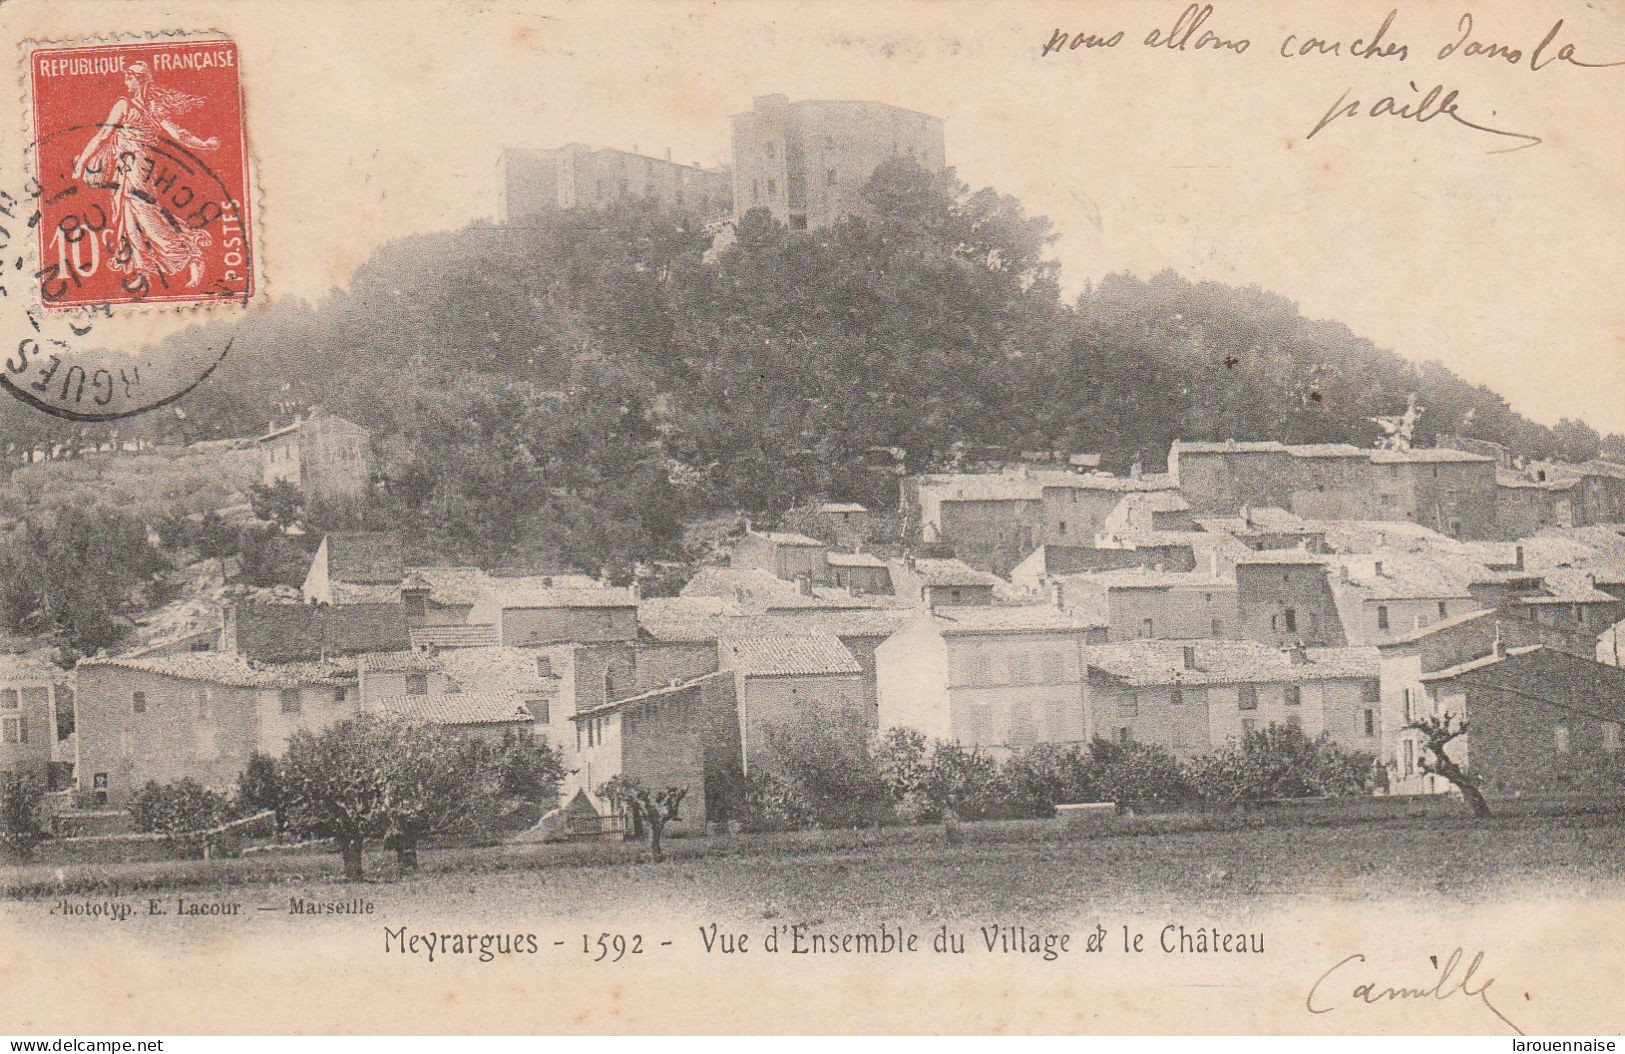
371	121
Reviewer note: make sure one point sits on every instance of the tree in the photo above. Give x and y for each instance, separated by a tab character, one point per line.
1437	734
650	810
528	769
1279	762
20	826
259	787
377	778
820	773
281	503
337	782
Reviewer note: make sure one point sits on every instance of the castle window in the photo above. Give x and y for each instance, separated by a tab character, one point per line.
1294	695
338	693
1291	620
138	702
1247	697
1382	616
1370	723
290	700
1176	697
1444	609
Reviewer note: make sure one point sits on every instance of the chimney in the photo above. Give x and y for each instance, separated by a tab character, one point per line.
1190	656
1498	647
1135	470
1246	515
1517	558
635	589
1342	572
804	584
1298	654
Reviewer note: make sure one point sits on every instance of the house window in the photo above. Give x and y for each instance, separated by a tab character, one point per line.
417	605
338	693
829	177
1247	697
772	187
953	596
1147	628
981	724
1125	735
290	700
1610	737
1176	697
8	698
1560	739
1444	609
544	666
1218	630
1020	673
1410	756
1370	723
1129	705
1248	727
1382	616
99	781
1275	623
417	684
1063	526
1409	707
13	730
1294	721
138	702
1579	615
540	711
1292	620
578	737
1294	695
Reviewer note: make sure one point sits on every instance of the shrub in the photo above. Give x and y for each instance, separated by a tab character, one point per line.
20	826
1049	774
177	808
817	773
1279	762
527	768
1138	774
259	787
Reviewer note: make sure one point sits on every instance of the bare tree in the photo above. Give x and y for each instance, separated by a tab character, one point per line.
1437	733
652	810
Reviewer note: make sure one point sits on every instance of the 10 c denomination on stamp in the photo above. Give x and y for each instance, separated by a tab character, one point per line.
141	162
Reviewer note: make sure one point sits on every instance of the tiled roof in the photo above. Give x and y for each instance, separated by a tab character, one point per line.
540	591
1570	586
845	622
1280	556
839	507
1153	662
1424	455
399	662
1185	446
950	572
855	560
809	655
1506	478
1405	576
1264	518
226	668
447	585
302	632
741	584
1147	578
1452	622
1591	687
788	538
458	708
1030	618
453	636
1477	664
1364	536
364	556
1326	450
505	668
28	668
653	693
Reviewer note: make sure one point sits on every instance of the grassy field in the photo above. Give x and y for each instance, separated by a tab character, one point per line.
1034	867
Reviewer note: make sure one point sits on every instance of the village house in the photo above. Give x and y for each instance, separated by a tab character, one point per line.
273	633
37	737
1524	506
1162	510
1194	697
352	567
994	677
199	716
1283	598
1033	574
859	573
784	682
532	611
1137	603
845	524
932	582
783	554
1390	594
683	735
327	457
1541	722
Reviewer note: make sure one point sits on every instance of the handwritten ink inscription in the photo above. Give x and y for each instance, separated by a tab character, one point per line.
1349	983
1198	29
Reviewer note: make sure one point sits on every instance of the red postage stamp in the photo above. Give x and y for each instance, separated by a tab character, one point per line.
141	161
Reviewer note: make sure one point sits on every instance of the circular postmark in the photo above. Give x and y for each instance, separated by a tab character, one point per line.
123	217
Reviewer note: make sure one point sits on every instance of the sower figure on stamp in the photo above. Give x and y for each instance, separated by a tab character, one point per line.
145	237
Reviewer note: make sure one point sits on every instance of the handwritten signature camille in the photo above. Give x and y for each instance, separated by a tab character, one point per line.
1437	102
1323	995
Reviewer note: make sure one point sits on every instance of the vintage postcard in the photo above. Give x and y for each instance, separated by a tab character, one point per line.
616	517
